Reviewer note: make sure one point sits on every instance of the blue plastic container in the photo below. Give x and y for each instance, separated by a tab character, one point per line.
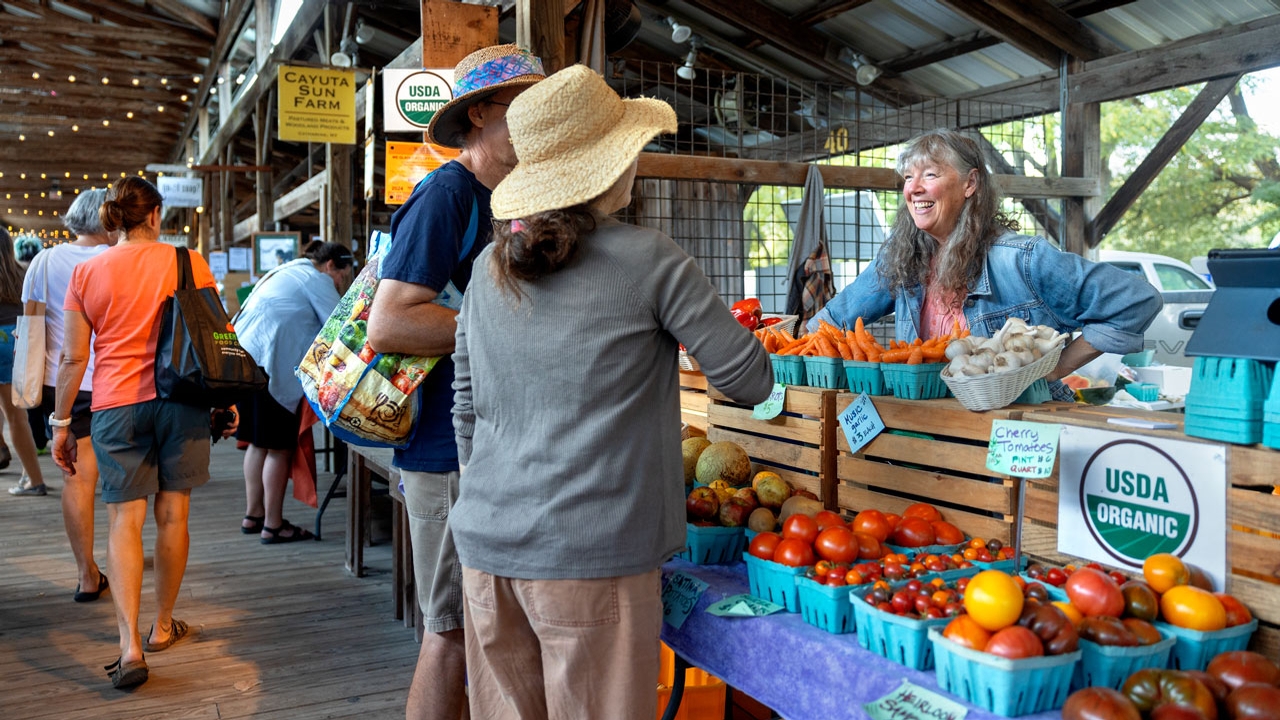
1195	648
713	545
1271	431
915	382
825	606
1036	393
825	372
865	377
1226	399
1005	687
1107	666
774	582
1055	592
1142	358
902	639
788	369
1146	392
1241	431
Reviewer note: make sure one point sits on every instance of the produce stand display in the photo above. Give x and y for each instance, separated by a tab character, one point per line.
797	444
693	401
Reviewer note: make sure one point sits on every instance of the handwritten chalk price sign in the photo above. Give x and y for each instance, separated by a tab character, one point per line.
771	407
860	422
679	596
1022	449
912	702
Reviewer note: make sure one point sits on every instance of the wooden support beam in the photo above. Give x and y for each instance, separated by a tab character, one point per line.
75	32
187	15
826	10
1160	155
540	30
297	199
1081	156
453	30
804	43
1058	27
1038	208
337	226
985	16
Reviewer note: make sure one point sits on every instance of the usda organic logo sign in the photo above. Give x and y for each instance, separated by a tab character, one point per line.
420	95
1138	502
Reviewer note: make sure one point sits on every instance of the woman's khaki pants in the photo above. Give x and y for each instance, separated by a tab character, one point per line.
562	649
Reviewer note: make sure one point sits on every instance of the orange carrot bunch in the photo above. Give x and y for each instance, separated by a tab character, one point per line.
919	351
773	338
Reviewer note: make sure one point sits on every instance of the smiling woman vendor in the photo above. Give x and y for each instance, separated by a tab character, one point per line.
952	255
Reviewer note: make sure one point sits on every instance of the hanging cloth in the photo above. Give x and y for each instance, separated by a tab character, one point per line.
810	280
591	35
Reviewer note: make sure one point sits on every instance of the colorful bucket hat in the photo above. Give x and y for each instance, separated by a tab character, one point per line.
480	75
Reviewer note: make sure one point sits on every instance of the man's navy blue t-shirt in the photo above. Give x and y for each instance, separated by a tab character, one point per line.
427	234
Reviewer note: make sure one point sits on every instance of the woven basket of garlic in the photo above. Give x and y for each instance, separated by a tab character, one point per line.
989	373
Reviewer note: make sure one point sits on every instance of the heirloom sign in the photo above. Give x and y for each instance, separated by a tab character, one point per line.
1123	498
412	97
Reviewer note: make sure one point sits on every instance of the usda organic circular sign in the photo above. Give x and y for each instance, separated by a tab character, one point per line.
420	95
1138	501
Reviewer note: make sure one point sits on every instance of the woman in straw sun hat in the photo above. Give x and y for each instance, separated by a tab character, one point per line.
567	413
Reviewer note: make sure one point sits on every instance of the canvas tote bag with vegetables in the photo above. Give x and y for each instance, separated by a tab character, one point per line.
364	397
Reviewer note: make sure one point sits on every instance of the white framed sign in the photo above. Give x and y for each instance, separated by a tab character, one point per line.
1122	498
411	97
181	191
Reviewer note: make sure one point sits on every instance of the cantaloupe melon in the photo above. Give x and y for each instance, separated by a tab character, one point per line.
723	461
691	449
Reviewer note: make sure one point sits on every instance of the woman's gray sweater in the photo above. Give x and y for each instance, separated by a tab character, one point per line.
567	407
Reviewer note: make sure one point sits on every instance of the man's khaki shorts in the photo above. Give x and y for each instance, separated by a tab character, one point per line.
437	574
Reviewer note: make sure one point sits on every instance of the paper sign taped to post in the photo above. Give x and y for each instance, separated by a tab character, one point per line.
860	422
912	702
772	406
679	596
1023	449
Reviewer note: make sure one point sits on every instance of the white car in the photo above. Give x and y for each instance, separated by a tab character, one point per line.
1185	295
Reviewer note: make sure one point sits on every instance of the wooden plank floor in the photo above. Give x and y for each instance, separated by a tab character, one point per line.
277	631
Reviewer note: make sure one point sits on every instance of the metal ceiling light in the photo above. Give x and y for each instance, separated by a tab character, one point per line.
867	74
679	33
686	71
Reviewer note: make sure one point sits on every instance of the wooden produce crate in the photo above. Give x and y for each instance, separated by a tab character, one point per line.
797	444
1253	512
693	401
949	470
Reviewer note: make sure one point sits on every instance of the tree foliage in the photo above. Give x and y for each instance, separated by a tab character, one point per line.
1222	189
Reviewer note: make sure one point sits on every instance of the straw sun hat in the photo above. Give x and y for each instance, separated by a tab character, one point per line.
574	137
480	75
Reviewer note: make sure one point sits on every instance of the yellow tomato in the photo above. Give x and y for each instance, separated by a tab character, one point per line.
1071	611
1190	607
1163	571
993	599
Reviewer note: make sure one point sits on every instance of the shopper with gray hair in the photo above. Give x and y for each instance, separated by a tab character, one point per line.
46	282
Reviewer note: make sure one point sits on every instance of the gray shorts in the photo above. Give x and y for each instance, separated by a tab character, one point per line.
149	447
437	574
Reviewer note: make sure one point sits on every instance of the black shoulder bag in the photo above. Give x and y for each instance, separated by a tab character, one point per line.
199	360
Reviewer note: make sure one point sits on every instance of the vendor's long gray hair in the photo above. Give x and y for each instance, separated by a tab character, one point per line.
907	256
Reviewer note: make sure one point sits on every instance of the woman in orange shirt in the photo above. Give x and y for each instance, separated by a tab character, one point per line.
145	445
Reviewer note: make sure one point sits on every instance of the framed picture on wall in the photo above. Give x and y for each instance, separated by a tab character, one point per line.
274	248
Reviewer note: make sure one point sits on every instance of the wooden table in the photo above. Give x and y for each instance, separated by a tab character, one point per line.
366	465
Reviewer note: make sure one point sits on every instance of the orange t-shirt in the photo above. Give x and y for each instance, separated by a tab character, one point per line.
121	292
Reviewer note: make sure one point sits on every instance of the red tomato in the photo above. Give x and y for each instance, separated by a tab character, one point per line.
1237	613
800	527
1099	703
868	547
793	553
892	519
913	532
1237	667
1015	642
764	545
1253	701
925	511
826	519
836	544
945	533
1095	593
873	523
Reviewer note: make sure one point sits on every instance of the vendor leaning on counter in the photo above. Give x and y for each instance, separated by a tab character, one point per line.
953	256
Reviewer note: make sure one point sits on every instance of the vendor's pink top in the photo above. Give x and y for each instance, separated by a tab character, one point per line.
938	316
121	292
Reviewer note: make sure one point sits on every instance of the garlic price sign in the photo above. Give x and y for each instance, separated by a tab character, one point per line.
1122	498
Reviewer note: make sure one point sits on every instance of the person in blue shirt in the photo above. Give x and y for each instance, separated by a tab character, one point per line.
435	237
277	324
953	257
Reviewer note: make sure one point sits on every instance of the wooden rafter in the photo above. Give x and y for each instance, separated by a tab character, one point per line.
987	17
1065	32
1160	155
181	12
86	32
826	10
803	42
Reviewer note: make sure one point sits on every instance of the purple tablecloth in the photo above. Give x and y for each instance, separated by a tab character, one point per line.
802	672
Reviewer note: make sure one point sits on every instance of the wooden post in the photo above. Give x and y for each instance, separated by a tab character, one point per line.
266	204
540	30
453	30
338	190
263	29
1081	157
226	203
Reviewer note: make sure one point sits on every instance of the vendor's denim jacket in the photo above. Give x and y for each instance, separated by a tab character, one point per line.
1027	277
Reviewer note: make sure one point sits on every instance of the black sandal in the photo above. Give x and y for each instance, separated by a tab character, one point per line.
255	525
128	674
276	537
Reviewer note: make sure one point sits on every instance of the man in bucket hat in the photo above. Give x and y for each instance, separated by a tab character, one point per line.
436	236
